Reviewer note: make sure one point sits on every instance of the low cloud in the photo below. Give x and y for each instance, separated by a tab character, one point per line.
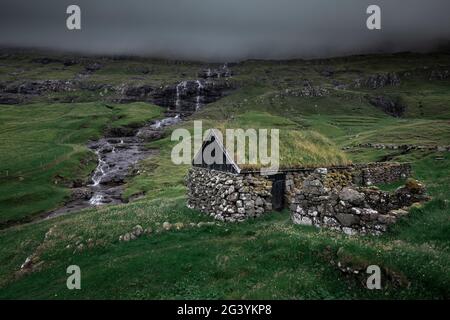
229	30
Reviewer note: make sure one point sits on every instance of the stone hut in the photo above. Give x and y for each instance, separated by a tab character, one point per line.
231	193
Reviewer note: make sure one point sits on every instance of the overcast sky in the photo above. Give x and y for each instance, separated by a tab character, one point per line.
226	30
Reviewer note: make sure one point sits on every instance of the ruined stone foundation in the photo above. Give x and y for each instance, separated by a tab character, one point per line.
351	209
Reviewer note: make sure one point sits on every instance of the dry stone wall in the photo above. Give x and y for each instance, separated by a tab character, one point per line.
228	197
333	197
351	209
383	172
359	175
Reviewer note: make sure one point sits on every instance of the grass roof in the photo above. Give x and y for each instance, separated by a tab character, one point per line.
297	149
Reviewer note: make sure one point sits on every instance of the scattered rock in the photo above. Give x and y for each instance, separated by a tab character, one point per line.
179	225
378	81
308	90
137	231
126	237
27	264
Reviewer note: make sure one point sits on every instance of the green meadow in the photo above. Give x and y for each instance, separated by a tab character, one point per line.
43	150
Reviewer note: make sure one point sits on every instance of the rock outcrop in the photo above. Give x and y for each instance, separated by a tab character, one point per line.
308	90
183	98
388	105
440	74
216	73
378	81
38	87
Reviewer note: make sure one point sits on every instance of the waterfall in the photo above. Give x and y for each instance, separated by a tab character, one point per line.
227	71
165	122
116	155
199	91
181	87
99	171
156	125
199	84
96	200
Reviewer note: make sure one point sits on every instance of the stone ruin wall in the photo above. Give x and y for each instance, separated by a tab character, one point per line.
351	209
312	199
360	175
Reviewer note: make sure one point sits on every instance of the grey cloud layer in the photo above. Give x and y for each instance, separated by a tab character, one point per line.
226	29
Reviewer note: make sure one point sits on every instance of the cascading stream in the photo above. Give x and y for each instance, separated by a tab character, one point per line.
117	156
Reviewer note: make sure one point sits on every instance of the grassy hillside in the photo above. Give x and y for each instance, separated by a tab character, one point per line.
43	150
264	258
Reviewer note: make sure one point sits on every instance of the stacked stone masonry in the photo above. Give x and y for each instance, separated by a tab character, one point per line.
360	175
228	197
351	209
340	197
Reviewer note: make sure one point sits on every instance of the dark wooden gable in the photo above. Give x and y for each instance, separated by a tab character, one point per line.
226	164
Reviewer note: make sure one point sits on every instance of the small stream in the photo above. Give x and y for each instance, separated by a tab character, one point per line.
118	156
